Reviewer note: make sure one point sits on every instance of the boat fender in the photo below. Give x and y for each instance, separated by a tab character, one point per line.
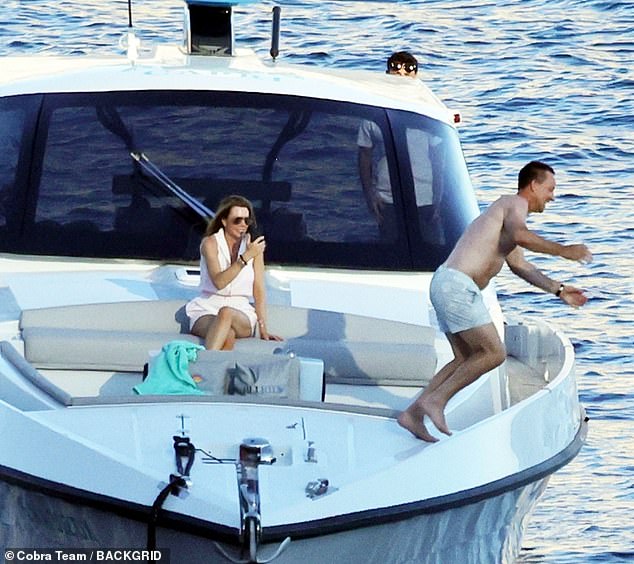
275	33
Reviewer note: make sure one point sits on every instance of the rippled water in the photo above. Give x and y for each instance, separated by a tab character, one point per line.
542	79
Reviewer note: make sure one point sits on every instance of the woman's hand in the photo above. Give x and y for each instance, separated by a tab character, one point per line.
254	248
265	335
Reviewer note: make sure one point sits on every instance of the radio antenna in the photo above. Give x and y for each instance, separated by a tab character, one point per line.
275	34
130	42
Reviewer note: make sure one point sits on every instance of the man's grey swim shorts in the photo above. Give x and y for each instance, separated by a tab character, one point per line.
457	300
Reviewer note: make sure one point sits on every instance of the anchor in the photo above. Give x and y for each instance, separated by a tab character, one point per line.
253	453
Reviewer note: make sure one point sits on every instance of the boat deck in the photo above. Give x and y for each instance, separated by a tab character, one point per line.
523	381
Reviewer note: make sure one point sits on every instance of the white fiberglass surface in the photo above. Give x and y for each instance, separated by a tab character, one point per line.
171	69
78	288
348	448
369	461
142	431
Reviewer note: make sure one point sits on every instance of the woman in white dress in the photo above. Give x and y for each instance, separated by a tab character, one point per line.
233	294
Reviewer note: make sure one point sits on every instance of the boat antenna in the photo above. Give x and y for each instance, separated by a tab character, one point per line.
130	42
275	35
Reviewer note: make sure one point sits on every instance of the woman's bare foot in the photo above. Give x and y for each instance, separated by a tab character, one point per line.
414	424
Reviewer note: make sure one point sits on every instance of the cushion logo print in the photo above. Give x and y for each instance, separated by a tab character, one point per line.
243	380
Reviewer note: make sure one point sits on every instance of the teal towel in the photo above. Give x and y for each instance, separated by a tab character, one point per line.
169	373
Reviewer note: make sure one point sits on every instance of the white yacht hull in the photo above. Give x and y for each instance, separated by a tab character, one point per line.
86	474
392	498
489	530
116	164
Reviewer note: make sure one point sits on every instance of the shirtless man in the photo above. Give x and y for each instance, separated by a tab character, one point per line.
499	234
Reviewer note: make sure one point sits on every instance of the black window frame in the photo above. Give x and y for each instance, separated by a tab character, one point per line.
460	206
406	253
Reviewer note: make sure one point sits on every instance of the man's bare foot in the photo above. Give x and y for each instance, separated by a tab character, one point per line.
415	426
436	413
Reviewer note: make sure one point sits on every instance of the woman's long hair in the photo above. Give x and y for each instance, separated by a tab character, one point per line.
223	212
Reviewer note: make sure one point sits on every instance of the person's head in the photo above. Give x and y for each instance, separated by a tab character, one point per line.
536	182
402	63
234	214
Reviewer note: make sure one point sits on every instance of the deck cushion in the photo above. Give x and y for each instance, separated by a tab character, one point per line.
32	376
93	349
247	374
118	336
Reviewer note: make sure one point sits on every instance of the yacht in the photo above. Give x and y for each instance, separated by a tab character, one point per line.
110	169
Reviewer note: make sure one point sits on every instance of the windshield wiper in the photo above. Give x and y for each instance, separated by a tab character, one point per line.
170	186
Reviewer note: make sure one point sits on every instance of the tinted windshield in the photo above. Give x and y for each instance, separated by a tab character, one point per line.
334	184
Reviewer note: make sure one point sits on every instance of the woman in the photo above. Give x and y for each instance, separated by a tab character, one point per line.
231	277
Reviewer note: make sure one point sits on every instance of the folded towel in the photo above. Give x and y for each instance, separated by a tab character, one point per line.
169	373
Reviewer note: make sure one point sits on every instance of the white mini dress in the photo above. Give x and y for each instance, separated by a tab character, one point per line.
238	294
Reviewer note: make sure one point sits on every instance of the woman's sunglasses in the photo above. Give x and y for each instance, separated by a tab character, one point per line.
409	67
239	220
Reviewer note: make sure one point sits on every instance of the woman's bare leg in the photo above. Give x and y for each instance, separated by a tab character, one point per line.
222	329
230	341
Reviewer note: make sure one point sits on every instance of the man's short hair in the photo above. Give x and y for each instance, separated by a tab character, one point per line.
535	170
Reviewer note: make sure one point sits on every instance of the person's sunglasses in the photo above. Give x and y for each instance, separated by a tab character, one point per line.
239	220
409	67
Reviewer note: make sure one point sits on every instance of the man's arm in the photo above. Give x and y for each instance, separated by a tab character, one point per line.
527	271
515	225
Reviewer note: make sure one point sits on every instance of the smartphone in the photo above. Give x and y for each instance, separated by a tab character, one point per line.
255	231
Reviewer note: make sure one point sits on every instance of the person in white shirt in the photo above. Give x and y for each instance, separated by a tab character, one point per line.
231	278
374	172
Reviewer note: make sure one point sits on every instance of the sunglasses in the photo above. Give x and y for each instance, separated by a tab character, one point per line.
239	220
409	67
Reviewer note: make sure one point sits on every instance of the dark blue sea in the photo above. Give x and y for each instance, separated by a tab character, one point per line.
534	79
